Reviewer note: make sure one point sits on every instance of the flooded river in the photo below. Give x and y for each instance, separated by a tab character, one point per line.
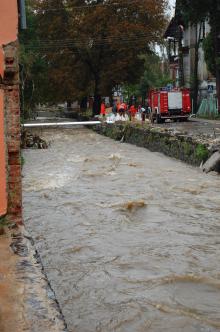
130	240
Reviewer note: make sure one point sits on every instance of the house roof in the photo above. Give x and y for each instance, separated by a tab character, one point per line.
173	27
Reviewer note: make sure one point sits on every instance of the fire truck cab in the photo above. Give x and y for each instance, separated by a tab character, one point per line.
174	104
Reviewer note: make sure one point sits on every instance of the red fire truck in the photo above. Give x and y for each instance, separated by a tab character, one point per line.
174	104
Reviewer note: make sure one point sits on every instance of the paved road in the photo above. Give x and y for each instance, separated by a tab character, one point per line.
196	127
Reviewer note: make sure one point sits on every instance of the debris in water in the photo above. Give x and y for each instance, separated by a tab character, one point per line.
132	165
131	205
128	206
29	140
115	156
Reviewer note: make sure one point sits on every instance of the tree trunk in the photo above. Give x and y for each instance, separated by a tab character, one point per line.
69	104
97	99
97	104
83	104
195	74
181	68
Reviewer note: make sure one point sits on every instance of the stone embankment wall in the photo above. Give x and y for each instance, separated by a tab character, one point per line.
181	146
13	135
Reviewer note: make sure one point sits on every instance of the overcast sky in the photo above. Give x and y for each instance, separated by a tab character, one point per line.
172	5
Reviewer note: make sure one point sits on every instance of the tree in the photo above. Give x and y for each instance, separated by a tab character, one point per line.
94	45
153	76
33	70
208	47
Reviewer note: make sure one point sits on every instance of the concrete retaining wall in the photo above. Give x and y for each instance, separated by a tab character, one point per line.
180	146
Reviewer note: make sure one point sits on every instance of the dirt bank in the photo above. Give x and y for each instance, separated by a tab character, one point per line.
26	302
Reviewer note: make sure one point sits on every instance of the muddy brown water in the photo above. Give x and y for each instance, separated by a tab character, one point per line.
130	240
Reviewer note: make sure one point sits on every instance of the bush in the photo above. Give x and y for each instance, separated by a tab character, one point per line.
202	152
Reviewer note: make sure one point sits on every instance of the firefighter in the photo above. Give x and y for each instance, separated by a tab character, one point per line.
132	112
122	108
103	109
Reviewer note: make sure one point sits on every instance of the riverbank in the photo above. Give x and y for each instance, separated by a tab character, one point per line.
192	149
26	303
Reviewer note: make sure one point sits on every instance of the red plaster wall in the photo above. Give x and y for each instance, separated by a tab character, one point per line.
8	21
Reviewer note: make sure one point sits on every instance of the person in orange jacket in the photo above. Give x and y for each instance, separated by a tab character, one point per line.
103	109
132	112
122	108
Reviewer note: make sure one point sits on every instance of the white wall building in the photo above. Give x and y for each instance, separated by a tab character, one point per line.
184	38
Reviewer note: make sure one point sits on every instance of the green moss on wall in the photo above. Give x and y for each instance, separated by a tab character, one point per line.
181	147
202	152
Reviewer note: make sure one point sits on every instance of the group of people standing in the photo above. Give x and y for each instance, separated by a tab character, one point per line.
123	110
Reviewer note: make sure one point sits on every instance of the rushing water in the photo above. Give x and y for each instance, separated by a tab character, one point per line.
130	240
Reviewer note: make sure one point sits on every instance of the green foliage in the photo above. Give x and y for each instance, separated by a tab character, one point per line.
3	225
22	161
187	148
201	152
33	69
208	47
2	220
152	77
193	11
129	90
76	48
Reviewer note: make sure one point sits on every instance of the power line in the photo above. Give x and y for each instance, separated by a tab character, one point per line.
86	6
89	44
80	44
92	42
109	37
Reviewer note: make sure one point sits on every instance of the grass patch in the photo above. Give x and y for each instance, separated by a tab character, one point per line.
22	161
3	225
202	152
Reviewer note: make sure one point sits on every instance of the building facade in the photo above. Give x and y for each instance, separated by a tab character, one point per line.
183	42
191	36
